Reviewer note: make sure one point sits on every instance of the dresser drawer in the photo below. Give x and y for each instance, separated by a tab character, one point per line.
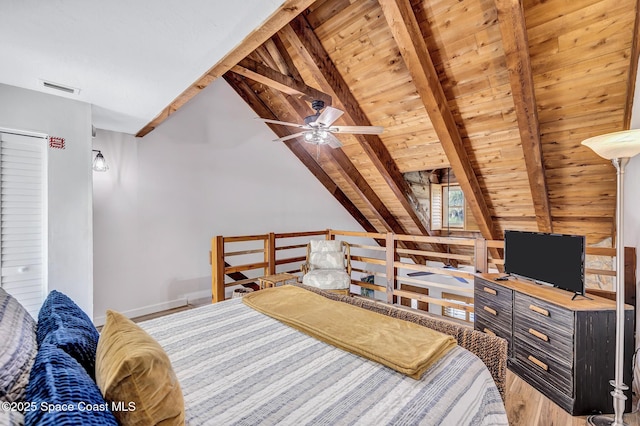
493	291
554	345
545	367
559	348
546	316
493	305
491	318
494	329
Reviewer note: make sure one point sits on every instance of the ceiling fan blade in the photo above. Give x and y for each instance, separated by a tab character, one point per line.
328	116
363	130
284	123
286	138
333	141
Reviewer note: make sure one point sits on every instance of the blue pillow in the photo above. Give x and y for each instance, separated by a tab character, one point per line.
61	392
63	324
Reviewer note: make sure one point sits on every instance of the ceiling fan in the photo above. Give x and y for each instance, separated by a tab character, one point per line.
318	129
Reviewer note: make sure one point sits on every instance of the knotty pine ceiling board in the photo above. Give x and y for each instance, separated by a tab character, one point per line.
580	60
322	10
580	57
362	49
479	104
372	77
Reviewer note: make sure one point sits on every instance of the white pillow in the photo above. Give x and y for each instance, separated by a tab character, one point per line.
325	245
327	260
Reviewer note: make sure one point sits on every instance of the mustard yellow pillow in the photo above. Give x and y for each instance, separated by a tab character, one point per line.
134	373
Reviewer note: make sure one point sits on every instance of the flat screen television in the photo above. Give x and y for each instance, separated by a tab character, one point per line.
554	259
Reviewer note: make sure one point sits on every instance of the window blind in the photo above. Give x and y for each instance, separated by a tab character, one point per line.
436	206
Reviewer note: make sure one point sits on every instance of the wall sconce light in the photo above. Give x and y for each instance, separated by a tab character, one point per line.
99	163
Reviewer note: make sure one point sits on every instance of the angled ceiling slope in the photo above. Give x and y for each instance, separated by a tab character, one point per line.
502	92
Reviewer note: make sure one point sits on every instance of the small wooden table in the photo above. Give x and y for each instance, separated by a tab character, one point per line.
273	280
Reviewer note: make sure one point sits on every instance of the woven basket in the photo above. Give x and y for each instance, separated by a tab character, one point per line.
239	292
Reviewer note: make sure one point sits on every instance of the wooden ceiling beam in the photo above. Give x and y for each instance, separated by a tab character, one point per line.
360	186
406	32
346	168
302	38
287	11
516	48
276	80
241	87
278	52
356	181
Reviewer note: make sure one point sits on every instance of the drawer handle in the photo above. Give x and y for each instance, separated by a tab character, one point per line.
539	335
489	332
537	362
491	311
490	291
541	311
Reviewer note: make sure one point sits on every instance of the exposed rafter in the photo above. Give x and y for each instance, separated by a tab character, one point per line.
457	86
242	88
345	167
276	80
304	40
278	52
516	47
280	18
358	183
407	34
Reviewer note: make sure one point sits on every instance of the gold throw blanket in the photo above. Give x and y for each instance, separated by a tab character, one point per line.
404	346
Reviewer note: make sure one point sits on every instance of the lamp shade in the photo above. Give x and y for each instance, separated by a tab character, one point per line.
99	163
624	144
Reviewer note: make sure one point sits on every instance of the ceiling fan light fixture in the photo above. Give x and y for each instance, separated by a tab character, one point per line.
316	136
318	128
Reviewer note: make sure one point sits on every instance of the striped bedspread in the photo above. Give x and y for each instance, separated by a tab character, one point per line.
237	366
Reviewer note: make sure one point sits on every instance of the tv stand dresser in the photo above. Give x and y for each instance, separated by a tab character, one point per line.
564	348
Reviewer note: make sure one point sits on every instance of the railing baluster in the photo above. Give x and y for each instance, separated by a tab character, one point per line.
385	266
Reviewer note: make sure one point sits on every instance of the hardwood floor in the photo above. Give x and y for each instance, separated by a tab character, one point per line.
525	405
528	407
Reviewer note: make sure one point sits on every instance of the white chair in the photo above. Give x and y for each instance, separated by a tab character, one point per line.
328	266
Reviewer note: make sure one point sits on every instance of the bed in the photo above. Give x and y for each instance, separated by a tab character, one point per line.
230	364
238	366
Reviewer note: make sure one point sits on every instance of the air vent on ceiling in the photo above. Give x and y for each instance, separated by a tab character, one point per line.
60	87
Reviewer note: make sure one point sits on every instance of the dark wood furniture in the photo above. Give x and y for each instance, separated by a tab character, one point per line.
564	348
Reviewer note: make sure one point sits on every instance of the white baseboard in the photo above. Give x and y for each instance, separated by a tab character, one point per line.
197	296
145	310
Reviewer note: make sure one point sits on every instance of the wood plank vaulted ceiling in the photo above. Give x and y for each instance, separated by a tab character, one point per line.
501	91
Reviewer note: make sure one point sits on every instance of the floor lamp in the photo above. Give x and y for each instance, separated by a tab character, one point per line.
618	147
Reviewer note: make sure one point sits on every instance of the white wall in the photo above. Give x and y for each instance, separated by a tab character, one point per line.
209	170
632	195
632	209
632	219
70	190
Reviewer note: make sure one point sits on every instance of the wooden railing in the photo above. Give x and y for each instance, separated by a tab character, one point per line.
400	273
